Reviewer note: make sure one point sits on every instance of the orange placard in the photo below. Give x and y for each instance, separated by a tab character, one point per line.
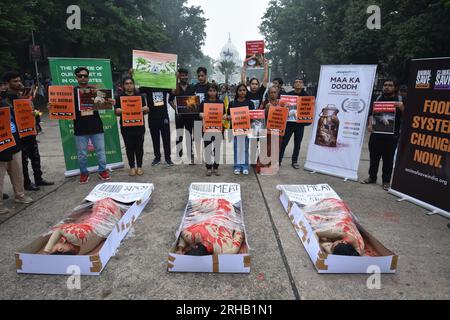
240	120
6	137
25	120
276	120
305	109
62	103
132	115
212	117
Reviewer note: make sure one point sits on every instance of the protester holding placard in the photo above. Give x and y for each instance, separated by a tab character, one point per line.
183	122
294	128
11	158
256	91
215	136
264	163
26	127
241	143
88	126
383	146
131	107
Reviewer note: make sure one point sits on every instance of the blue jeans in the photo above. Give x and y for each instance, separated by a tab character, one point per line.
82	150
241	146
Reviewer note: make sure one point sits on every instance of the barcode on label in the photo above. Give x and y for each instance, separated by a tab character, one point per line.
203	187
296	189
111	188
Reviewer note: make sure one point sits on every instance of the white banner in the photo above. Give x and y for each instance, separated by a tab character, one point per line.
342	106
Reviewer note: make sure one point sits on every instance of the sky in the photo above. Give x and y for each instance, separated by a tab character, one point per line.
241	18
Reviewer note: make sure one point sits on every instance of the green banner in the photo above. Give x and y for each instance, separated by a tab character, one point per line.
99	74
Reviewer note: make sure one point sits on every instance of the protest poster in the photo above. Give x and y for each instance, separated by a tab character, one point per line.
422	168
212	117
188	105
62	73
155	69
305	109
132	115
255	54
240	121
62	102
94	99
277	120
290	102
257	124
6	137
343	100
383	117
25	120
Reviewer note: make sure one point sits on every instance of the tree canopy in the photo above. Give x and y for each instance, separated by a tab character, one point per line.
109	29
301	35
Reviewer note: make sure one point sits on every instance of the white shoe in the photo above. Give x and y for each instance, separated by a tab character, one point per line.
23	199
245	172
237	172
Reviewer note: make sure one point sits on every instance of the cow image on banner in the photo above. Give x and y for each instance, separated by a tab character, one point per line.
422	173
342	106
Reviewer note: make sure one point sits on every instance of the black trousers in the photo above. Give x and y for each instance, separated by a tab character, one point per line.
296	129
134	146
382	147
214	151
160	128
30	150
188	125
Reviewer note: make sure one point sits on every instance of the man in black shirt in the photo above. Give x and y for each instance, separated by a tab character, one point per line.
183	121
88	126
383	146
29	145
292	127
158	122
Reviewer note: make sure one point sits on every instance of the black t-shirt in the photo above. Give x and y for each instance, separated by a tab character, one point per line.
133	129
200	91
86	125
398	116
157	103
202	105
237	104
257	97
303	93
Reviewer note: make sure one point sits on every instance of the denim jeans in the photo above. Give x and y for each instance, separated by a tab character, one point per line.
241	146
82	150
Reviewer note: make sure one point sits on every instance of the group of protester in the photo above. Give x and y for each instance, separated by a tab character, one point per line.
88	129
14	160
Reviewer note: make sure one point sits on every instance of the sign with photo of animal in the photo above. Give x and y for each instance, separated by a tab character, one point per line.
155	69
94	99
188	105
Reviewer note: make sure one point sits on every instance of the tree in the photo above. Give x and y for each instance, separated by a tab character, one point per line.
227	67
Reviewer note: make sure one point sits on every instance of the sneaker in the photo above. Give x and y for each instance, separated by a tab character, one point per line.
386	186
31	187
169	163
23	199
4	210
245	172
237	172
156	162
209	173
139	172
104	175
132	172
84	178
295	166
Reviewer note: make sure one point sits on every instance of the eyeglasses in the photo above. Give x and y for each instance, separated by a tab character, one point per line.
82	76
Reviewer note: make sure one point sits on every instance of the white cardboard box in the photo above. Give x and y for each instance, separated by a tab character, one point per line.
329	263
28	260
222	263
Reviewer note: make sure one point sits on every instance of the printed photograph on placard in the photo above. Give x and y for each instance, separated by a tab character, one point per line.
383	120
94	99
290	102
257	124
188	105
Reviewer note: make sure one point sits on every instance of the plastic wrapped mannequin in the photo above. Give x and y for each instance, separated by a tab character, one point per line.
333	223
85	235
211	226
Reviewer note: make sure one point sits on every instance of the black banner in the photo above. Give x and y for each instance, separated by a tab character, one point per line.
422	169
